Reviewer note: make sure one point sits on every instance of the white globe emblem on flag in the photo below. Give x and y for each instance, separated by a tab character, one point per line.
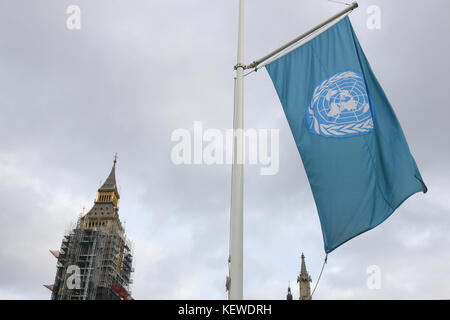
340	107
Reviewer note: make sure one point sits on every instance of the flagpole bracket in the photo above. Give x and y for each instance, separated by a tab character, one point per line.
240	65
252	65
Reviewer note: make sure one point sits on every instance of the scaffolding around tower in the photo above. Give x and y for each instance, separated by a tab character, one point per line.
95	258
102	256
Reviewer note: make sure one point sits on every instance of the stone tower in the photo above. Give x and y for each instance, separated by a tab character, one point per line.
95	258
304	280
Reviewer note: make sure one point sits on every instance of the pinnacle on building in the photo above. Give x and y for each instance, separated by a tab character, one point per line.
304	280
289	293
95	259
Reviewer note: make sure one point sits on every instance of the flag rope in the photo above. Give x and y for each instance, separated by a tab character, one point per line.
320	275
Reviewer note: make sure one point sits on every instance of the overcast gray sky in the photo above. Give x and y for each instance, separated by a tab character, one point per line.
136	71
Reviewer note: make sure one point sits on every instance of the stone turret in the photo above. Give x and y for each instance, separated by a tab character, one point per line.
304	280
289	294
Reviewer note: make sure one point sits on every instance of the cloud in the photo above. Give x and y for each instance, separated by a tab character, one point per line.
137	71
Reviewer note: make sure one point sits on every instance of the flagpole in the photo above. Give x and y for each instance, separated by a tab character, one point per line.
237	185
235	278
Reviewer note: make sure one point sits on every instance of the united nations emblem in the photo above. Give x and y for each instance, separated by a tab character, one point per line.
340	107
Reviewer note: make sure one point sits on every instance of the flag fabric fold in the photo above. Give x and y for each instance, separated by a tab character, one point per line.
355	154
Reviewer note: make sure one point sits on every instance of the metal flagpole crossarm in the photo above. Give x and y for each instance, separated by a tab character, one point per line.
255	63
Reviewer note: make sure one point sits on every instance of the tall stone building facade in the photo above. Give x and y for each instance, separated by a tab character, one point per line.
304	281
95	258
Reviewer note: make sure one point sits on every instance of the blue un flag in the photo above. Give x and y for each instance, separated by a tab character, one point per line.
352	146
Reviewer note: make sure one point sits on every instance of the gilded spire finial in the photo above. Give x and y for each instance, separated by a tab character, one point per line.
110	183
